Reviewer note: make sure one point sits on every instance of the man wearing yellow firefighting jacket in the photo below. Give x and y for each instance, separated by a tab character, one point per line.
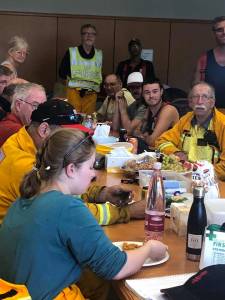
17	157
199	135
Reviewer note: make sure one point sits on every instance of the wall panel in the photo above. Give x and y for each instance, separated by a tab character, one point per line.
187	42
40	32
176	43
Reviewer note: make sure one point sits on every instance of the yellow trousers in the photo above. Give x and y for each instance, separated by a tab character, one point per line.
86	104
70	293
89	286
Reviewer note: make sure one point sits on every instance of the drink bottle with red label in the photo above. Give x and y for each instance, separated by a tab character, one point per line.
155	206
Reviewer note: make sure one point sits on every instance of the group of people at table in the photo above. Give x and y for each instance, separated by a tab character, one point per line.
51	228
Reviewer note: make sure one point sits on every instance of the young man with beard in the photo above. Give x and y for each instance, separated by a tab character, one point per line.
199	135
159	116
211	65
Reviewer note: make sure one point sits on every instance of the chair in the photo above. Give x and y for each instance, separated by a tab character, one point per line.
181	105
171	94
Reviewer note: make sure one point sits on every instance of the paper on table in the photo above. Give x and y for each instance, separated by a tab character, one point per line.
149	288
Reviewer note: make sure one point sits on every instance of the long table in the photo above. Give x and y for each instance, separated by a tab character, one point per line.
134	231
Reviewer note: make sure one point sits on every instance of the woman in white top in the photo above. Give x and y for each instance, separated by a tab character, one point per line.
17	53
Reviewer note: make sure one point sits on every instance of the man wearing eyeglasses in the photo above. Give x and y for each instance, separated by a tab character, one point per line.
115	92
17	157
211	65
81	68
25	99
199	135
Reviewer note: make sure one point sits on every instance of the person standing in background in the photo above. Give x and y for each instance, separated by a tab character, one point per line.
135	64
17	53
81	67
211	65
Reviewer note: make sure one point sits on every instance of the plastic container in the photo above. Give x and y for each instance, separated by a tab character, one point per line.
215	209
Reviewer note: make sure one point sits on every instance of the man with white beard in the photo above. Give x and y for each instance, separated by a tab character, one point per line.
200	134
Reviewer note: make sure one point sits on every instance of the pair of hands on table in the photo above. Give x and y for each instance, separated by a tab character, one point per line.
122	197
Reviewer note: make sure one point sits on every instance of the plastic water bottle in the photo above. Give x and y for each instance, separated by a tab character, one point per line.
197	222
155	206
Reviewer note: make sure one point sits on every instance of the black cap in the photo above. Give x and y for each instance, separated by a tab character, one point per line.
207	284
56	112
134	42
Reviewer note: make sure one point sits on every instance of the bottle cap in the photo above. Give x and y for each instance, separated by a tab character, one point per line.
157	166
199	191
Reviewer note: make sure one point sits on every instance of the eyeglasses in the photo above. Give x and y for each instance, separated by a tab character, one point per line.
219	30
87	137
110	84
203	97
3	82
134	86
89	33
34	105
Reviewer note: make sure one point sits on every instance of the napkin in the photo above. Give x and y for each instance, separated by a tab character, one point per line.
102	130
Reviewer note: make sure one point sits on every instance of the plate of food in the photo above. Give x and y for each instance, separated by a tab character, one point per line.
130	245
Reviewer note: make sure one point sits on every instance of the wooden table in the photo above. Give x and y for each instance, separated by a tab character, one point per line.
134	231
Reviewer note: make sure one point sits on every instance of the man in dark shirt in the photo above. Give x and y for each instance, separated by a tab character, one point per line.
5	77
135	64
81	68
211	64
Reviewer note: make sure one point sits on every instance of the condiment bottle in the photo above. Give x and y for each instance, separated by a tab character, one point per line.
122	135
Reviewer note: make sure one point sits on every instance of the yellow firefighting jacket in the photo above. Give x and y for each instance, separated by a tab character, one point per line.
17	157
173	140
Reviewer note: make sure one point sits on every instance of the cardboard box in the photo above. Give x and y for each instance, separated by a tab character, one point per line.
179	216
114	163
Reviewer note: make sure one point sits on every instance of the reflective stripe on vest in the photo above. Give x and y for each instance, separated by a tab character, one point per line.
85	73
196	152
104	212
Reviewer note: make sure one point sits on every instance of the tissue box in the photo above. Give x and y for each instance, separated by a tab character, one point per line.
179	216
114	163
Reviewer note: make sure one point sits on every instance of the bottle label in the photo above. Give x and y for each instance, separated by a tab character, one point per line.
154	221
194	241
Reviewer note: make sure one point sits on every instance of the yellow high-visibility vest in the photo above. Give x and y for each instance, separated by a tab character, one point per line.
85	73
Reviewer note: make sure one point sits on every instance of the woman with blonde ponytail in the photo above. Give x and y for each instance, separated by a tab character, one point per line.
48	235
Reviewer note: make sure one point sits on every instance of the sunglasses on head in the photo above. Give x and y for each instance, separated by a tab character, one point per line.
64	119
87	137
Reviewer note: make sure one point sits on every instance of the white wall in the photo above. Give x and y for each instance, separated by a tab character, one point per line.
189	9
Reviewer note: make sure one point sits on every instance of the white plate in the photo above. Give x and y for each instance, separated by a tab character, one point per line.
149	262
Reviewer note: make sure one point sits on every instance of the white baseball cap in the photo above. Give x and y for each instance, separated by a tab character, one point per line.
135	77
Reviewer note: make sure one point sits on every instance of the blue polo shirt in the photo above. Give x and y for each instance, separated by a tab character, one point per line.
46	241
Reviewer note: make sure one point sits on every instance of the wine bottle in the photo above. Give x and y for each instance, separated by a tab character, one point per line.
197	221
155	206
